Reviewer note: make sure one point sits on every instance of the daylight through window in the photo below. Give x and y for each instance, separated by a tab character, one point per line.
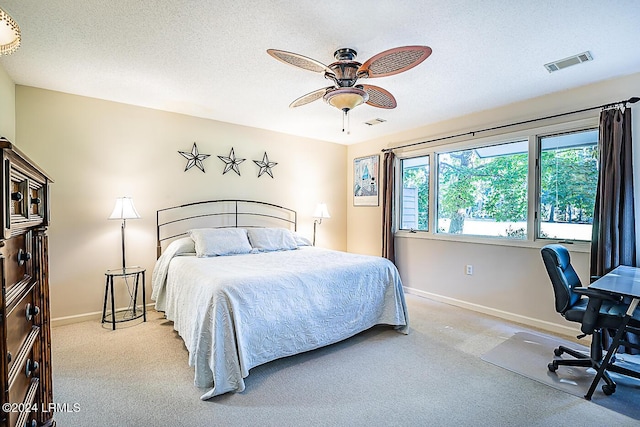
568	180
415	194
483	191
488	190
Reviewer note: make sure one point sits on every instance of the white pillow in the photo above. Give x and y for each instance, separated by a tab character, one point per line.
220	241
182	246
272	239
301	240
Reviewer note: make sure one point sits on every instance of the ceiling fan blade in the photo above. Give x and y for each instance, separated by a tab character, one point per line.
299	61
379	97
394	61
310	97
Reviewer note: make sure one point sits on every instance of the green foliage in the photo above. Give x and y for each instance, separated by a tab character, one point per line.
475	187
568	184
495	187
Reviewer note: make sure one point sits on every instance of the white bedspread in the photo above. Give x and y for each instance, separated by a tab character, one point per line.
237	312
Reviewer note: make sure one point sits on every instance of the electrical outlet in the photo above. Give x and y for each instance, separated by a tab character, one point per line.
469	269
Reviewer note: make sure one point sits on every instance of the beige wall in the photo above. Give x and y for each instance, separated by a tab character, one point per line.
97	150
7	106
508	281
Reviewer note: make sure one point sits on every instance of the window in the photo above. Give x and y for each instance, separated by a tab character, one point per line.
532	184
568	180
414	195
483	191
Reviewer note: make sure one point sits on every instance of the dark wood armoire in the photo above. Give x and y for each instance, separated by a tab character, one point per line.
25	335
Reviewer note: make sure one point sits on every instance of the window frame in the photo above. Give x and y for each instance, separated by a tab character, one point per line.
532	135
538	201
401	194
437	178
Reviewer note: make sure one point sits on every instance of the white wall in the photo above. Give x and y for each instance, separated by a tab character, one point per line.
508	281
97	150
7	106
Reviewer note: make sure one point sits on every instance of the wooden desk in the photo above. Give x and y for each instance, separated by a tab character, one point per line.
623	281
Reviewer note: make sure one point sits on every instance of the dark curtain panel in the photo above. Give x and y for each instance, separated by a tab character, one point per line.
388	248
613	240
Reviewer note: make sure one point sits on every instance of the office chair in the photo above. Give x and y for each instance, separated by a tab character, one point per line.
593	309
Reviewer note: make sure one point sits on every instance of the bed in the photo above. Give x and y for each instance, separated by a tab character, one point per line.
242	291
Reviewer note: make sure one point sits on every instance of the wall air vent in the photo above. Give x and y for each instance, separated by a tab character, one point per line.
568	62
374	122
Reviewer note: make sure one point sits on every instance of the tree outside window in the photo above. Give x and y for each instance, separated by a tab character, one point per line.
568	181
415	194
483	191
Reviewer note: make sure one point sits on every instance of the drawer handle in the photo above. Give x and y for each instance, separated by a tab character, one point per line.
23	257
30	311
9	357
17	196
35	200
30	367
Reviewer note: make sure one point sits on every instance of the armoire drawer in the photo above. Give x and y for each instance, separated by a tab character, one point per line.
25	367
27	199
18	253
20	323
21	391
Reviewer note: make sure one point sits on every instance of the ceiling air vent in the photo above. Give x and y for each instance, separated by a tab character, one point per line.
568	62
374	122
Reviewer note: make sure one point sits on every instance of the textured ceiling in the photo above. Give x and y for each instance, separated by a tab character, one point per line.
208	58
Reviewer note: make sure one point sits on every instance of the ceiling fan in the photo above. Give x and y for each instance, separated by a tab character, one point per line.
345	94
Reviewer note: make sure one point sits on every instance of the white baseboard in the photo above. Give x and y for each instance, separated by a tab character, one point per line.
528	321
525	320
95	316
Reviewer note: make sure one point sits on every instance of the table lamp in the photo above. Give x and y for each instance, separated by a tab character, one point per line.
124	210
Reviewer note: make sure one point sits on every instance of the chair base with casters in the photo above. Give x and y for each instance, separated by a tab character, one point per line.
595	310
585	360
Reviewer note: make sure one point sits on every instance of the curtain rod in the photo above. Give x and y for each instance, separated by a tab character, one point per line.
631	100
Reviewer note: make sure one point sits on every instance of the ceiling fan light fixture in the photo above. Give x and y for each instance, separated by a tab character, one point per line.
346	98
9	34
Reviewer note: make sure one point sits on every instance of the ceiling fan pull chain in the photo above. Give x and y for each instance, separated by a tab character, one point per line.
346	113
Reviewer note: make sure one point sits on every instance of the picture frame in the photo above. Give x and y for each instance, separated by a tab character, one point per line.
366	183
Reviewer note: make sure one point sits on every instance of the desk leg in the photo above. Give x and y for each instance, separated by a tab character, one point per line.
144	300
113	306
612	348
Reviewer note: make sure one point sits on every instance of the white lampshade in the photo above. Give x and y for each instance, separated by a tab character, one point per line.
124	209
321	211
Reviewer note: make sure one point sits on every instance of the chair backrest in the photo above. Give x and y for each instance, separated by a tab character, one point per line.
563	277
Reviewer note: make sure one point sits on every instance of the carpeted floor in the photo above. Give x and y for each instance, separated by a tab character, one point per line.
139	375
529	353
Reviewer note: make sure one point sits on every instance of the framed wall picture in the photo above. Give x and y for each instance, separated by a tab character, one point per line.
365	180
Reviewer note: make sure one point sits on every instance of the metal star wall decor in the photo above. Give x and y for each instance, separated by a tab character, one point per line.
265	165
194	158
231	162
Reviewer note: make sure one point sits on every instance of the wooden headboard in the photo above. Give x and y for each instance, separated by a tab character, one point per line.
176	221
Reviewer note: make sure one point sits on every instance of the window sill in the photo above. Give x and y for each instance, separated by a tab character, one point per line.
575	246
